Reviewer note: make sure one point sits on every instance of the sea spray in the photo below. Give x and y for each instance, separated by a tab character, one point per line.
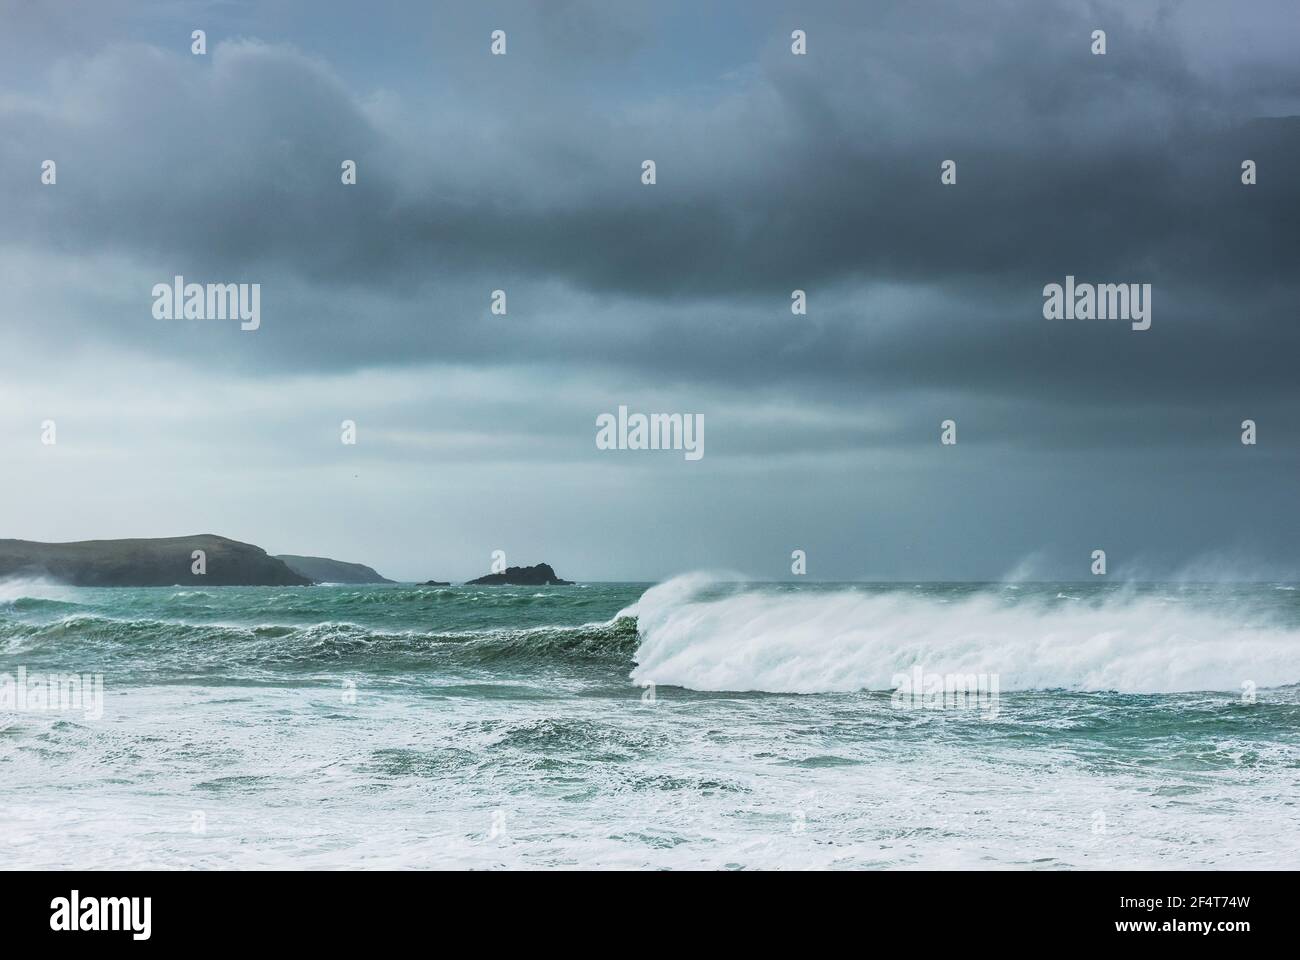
470	701
704	634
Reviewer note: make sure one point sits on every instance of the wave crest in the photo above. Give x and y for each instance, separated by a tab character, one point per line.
168	644
705	634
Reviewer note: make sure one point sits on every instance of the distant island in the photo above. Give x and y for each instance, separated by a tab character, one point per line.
540	575
207	559
162	562
324	570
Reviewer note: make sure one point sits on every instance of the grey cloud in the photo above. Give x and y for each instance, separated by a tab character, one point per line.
775	173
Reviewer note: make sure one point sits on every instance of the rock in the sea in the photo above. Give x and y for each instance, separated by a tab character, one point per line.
540	575
324	570
436	583
160	562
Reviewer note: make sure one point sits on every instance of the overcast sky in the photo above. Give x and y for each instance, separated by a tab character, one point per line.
775	172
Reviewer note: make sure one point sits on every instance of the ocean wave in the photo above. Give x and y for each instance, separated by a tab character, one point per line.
39	605
703	633
163	644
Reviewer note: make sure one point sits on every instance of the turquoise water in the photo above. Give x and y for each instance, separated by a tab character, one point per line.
698	723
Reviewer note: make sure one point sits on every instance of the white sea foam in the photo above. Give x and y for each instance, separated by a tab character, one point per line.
840	640
33	588
417	769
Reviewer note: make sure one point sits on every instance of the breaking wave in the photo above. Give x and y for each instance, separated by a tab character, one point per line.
698	631
703	633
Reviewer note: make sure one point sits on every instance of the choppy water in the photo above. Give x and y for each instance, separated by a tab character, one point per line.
401	726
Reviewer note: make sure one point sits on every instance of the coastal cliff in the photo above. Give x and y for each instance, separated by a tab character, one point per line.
325	570
161	562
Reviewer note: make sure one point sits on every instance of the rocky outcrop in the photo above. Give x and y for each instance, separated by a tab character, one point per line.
540	575
324	570
161	562
436	583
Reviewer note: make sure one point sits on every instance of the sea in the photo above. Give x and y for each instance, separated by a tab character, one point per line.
704	722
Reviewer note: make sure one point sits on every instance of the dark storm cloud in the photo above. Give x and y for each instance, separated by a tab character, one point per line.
817	172
775	172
